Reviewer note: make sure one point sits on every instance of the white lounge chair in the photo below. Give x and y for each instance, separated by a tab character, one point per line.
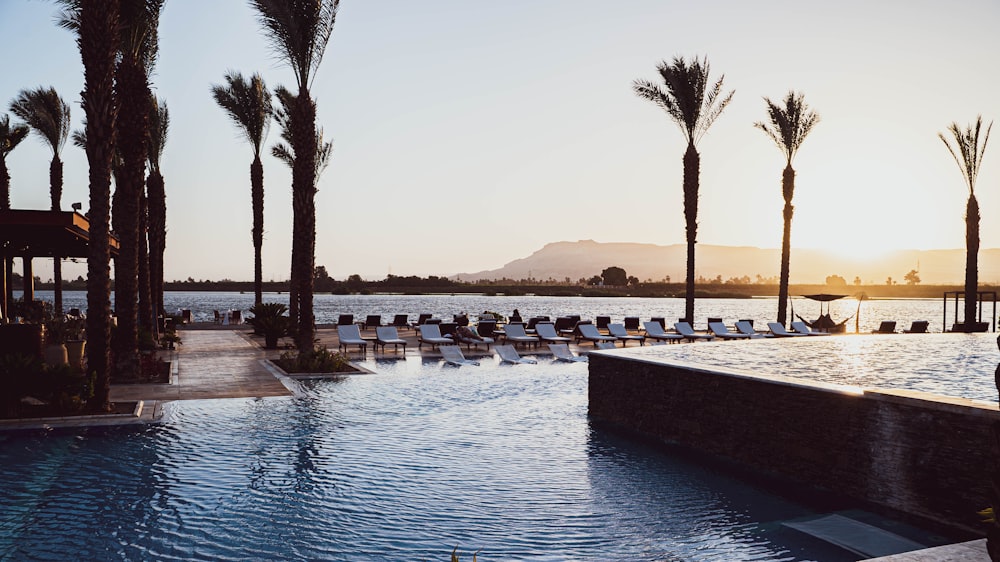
655	331
508	354
745	327
350	334
589	332
779	331
619	331
685	329
720	330
547	333
431	333
803	328
469	342
388	335
514	333
452	355
562	353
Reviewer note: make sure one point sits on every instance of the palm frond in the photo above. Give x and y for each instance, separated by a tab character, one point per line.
79	137
299	31
159	125
968	152
11	135
790	124
685	95
249	105
139	21
282	152
46	113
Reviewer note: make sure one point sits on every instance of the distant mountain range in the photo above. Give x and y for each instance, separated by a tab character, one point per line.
586	258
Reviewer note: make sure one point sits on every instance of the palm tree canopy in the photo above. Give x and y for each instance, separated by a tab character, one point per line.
248	103
46	113
11	136
969	153
686	96
299	30
283	151
159	123
789	124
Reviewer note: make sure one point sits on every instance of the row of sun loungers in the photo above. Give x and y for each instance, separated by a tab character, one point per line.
452	355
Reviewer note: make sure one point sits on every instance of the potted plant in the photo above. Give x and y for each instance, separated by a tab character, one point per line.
55	343
76	340
269	320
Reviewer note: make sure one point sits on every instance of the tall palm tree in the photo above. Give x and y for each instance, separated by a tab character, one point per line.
694	104
48	116
968	154
787	126
248	103
159	123
10	137
95	23
137	55
283	151
299	31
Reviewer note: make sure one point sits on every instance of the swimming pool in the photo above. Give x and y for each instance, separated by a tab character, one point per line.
958	365
403	465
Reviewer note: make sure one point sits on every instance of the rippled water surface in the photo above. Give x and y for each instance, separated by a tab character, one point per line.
402	465
959	365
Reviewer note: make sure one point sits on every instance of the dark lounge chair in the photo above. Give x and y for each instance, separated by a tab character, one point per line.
886	327
632	323
372	321
917	327
602	323
345	319
401	321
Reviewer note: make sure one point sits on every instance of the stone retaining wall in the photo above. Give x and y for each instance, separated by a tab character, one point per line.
924	455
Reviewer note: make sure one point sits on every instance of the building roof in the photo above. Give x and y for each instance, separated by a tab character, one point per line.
46	234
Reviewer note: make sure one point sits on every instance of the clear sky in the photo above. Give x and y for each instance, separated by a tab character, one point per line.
470	133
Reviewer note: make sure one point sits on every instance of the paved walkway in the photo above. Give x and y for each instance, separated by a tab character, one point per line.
211	364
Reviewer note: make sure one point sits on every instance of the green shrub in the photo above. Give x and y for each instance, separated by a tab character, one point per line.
269	320
319	360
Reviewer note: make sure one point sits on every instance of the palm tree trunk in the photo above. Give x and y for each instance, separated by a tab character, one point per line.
971	261
133	116
692	164
257	196
55	191
304	204
4	184
98	42
157	237
787	189
147	320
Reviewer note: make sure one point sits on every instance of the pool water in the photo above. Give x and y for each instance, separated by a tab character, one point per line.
402	465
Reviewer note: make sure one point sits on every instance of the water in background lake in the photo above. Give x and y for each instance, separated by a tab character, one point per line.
760	310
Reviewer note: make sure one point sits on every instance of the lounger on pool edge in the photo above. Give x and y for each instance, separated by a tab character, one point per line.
453	356
720	330
589	332
387	335
655	331
747	328
514	333
685	329
562	353
431	333
803	328
779	331
547	332
508	354
619	331
349	334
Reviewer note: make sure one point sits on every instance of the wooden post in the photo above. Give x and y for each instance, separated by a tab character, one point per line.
29	280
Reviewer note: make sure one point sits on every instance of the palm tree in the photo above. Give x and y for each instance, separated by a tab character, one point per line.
299	31
968	154
137	54
248	104
48	116
787	126
159	123
694	104
95	23
10	137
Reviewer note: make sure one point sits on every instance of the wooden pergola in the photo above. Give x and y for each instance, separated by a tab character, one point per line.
40	234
